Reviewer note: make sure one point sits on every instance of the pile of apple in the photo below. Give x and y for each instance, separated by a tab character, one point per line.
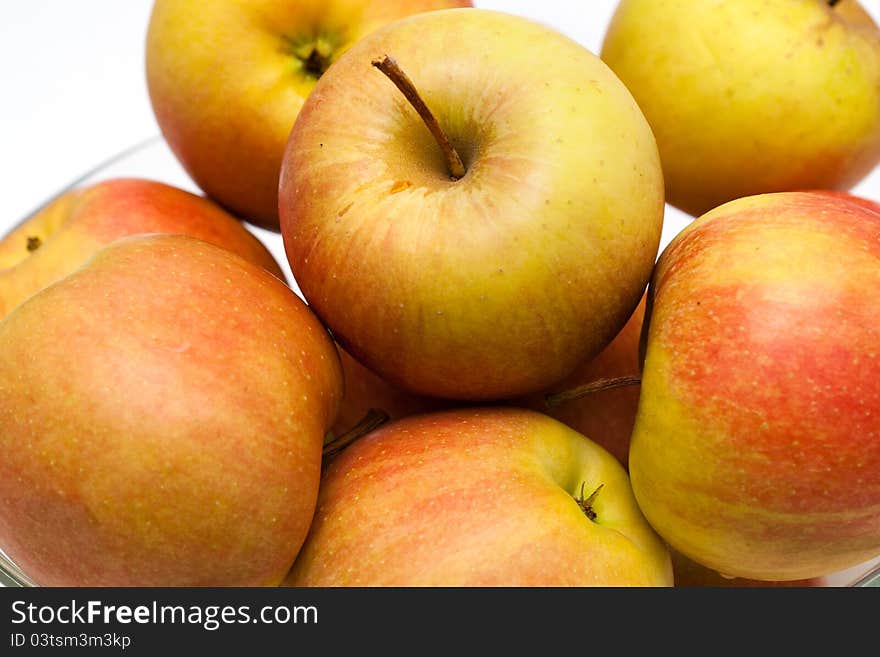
471	205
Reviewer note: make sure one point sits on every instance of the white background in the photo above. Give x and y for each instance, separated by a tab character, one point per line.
73	90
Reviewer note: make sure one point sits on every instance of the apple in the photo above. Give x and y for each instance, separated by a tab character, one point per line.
162	415
478	497
226	80
751	97
755	450
605	416
60	237
499	283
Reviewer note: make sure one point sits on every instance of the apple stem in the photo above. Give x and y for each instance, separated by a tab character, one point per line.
389	66
588	388
586	505
373	419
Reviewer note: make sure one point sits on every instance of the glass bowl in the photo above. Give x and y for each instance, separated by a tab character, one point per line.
153	160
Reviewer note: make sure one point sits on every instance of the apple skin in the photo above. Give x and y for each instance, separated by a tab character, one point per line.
751	97
755	450
477	497
162	414
226	84
499	284
80	222
606	417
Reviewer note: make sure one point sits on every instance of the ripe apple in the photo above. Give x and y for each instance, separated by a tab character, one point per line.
226	80
62	236
499	283
478	497
162	415
605	416
756	448
752	96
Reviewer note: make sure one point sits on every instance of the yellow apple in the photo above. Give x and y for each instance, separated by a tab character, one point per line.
497	284
227	79
751	96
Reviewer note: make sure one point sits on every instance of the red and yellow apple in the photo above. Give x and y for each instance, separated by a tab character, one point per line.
68	231
162	415
756	447
478	497
227	79
751	96
497	284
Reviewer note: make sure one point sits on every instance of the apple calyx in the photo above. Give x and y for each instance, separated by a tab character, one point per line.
586	505
389	66
831	3
372	420
314	55
33	243
315	64
598	385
